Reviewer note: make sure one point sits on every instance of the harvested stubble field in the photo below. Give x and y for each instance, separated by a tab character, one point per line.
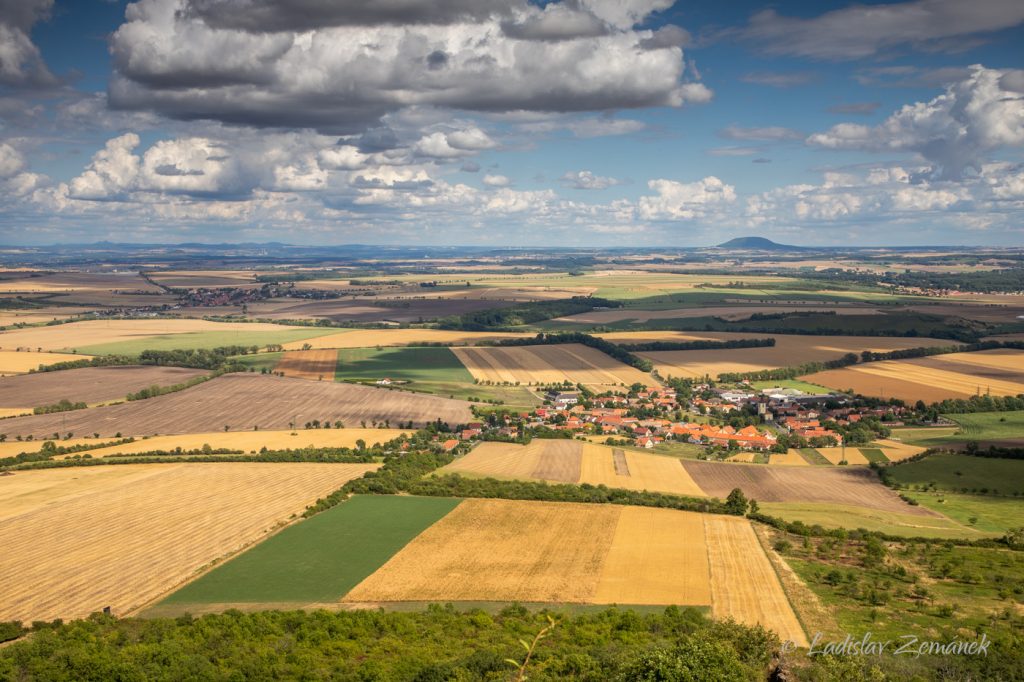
114	333
77	283
570	461
733	312
317	365
370	338
896	451
22	362
850	516
249	441
836	455
744	585
120	536
837	485
957	375
503	550
789	458
549	364
404	309
788	350
88	384
246	402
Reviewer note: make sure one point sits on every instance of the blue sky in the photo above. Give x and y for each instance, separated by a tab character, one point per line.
579	122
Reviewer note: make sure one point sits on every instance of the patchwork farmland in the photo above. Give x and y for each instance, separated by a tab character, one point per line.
956	375
415	550
77	540
548	364
246	402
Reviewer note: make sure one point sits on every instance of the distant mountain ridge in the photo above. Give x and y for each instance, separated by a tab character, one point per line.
757	243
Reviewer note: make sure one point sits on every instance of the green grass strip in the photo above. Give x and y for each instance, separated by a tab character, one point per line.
874	455
322	558
814	457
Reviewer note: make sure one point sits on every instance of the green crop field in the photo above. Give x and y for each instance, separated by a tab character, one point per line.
804	386
259	360
962	473
985	514
413	364
874	455
321	558
216	339
979	426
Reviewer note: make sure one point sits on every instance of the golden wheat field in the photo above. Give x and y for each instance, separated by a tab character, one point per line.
526	551
657	556
571	461
499	550
744	585
645	472
787	351
133	532
548	364
789	458
896	451
956	375
95	332
316	365
21	362
250	441
369	338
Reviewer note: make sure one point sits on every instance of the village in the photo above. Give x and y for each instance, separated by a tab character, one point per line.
721	420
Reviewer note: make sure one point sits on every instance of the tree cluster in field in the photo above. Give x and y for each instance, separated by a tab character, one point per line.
975	403
433	645
196	358
697	345
607	347
156	390
524	313
1002	281
64	405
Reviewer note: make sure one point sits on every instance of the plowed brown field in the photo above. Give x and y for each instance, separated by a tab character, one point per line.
242	402
839	485
77	540
88	384
549	364
317	365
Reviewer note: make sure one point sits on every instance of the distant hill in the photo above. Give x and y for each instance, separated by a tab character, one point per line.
756	243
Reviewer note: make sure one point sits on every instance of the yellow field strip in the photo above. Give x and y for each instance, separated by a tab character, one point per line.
790	458
744	586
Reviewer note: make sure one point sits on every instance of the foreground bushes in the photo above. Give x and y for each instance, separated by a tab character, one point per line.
435	644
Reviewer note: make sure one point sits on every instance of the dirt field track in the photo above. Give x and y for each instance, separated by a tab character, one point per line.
788	350
76	540
317	365
956	375
242	402
503	550
548	364
88	384
22	362
839	485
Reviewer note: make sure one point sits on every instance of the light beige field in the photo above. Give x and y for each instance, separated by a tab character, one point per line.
35	316
787	351
12	447
733	312
744	586
14	411
94	332
131	533
316	365
835	455
499	550
370	338
549	364
897	451
646	472
77	282
956	375
657	556
21	362
790	458
249	441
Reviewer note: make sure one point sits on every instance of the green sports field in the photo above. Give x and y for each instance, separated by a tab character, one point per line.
319	559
